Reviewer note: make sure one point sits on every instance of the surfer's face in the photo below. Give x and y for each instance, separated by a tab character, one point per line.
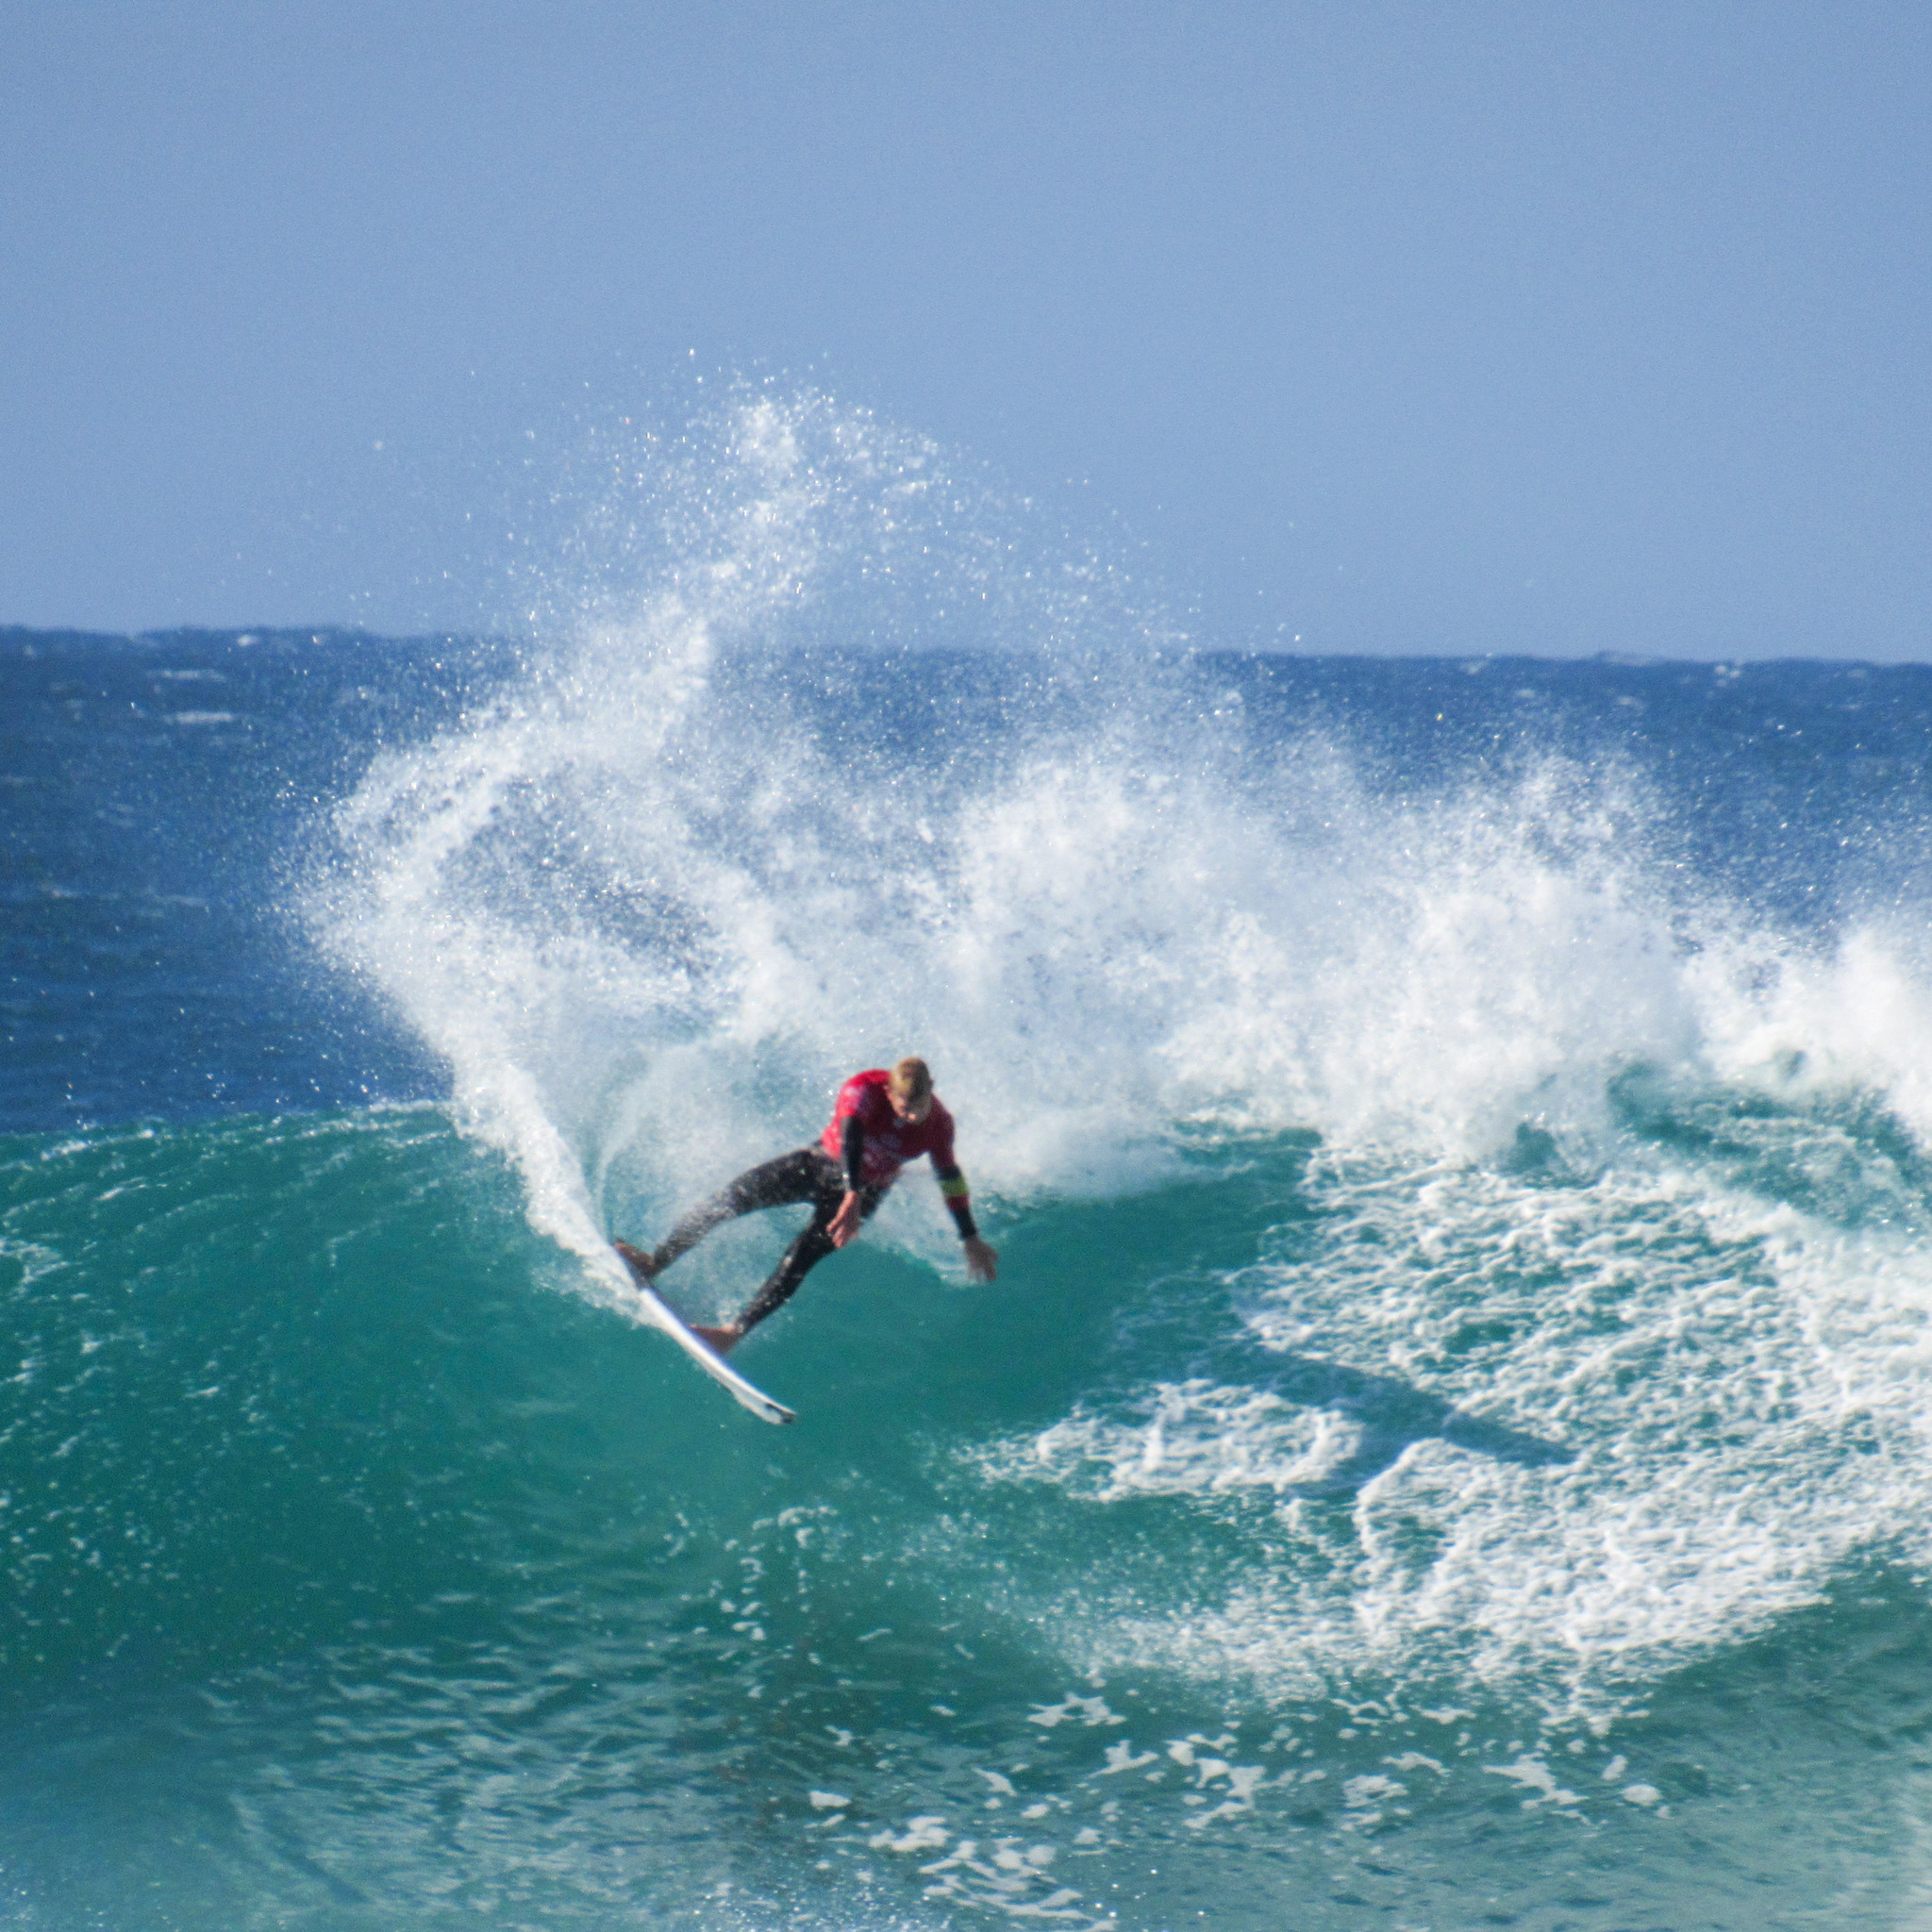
910	1110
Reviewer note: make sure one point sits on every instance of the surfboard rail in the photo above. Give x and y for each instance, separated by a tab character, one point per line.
746	1393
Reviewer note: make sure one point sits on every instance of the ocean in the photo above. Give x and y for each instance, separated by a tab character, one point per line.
1446	1446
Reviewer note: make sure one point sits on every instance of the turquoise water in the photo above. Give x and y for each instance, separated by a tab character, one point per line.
362	1574
1445	1448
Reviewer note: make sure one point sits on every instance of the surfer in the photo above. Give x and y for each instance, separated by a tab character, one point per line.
881	1121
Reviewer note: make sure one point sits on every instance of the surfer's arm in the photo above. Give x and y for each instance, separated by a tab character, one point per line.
958	1199
845	1223
982	1261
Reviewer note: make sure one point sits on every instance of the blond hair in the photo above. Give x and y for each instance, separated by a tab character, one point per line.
912	1078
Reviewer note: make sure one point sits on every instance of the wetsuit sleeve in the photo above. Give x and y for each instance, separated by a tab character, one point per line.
958	1197
852	1152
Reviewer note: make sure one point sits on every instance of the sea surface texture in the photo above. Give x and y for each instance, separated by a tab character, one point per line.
1448	1446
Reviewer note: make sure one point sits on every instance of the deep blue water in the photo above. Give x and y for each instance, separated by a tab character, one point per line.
1446	1446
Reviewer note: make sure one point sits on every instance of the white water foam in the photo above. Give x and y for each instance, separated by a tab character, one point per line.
1738	1396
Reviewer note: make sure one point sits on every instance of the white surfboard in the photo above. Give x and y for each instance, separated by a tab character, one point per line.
709	1359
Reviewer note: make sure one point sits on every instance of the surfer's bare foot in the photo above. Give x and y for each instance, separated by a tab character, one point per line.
640	1264
720	1338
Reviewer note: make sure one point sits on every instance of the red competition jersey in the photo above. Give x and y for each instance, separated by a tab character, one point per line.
889	1142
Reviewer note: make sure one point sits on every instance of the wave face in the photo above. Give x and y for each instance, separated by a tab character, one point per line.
1447	1442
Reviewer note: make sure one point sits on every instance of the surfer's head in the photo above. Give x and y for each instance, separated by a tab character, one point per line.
909	1089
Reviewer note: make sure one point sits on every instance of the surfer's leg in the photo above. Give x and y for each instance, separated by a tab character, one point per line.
811	1247
813	1244
794	1177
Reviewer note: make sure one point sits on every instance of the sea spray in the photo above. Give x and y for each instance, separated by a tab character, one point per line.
652	901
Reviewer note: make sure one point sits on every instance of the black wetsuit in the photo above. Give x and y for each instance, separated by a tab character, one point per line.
807	1174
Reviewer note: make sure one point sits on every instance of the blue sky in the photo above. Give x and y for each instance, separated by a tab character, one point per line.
1454	327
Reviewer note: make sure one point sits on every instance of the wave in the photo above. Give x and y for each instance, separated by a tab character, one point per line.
1533	1375
1323	1492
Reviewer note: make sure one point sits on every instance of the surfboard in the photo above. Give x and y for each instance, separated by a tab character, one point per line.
747	1394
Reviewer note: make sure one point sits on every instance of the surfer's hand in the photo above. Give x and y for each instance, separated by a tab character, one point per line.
844	1224
982	1262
